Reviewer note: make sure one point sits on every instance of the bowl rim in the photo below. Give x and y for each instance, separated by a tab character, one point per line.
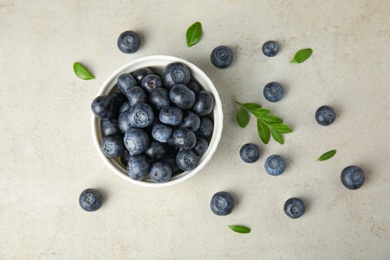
153	61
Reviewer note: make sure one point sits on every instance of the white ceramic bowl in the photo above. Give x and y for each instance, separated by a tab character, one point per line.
157	64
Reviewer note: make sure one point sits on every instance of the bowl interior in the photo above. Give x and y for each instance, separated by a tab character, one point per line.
157	64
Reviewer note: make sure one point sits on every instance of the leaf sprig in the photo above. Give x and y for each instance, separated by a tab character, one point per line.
267	125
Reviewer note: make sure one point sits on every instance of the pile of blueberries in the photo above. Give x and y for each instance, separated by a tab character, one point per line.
158	125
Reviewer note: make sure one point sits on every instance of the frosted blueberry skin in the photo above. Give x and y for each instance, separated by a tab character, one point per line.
206	127
124	107
182	96
222	203
103	107
90	200
191	121
325	115
162	133
159	98
249	153
138	167
352	177
171	115
141	115
129	42
125	82
140	74
221	57
204	103
124	123
187	160
136	95
160	172
110	127
201	146
273	92
294	208
175	73
275	165
136	141
156	151
112	146
151	82
270	48
183	138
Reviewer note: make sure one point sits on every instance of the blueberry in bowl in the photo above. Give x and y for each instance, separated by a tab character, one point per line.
170	122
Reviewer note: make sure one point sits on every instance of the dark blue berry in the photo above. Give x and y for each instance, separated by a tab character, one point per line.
294	207
249	153
156	151
206	127
191	121
273	92
124	107
138	167
110	127
352	177
112	146
325	115
171	159
204	103
125	158
194	86
151	82
124	123
222	203
221	57
159	98
201	146
90	200
183	138
171	115
103	107
176	73
136	95
140	74
275	165
160	172
125	82
136	141
162	133
270	48
119	99
187	160
129	42
182	96
141	115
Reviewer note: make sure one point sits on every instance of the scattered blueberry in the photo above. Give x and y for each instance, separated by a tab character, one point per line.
206	127
156	151
183	138
141	115
176	73
136	141
103	107
138	167
91	200
201	146
140	74
112	146
129	42
221	57
171	115
109	127
151	82
352	177
273	92
136	95
160	172
222	203
294	207
125	82
191	121
182	96
162	133
249	153
270	48
159	98
275	165
325	115
187	160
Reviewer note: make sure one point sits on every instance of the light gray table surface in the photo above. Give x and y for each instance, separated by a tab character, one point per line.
47	156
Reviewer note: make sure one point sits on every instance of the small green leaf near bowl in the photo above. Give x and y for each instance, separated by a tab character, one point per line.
327	155
239	229
81	72
302	55
194	32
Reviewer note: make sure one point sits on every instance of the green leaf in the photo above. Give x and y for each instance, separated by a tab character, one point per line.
260	112
327	155
272	120
81	72
277	136
281	128
263	131
302	55
249	106
194	32
239	229
242	117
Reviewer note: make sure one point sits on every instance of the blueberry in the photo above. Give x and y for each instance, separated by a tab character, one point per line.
325	115
183	138
125	82
222	203
159	98
171	115
140	74
294	207
125	158
206	127
273	92
103	107
171	159
162	133
124	123
191	121
201	146
221	57
160	172
136	95
136	141
270	48
275	165
91	200
151	82
156	151
176	73
187	160
124	107
138	167
352	177
194	86
129	42
204	103
182	96
249	153
119	99
141	115
109	127
112	146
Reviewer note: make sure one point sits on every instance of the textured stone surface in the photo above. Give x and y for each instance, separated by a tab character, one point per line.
48	157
